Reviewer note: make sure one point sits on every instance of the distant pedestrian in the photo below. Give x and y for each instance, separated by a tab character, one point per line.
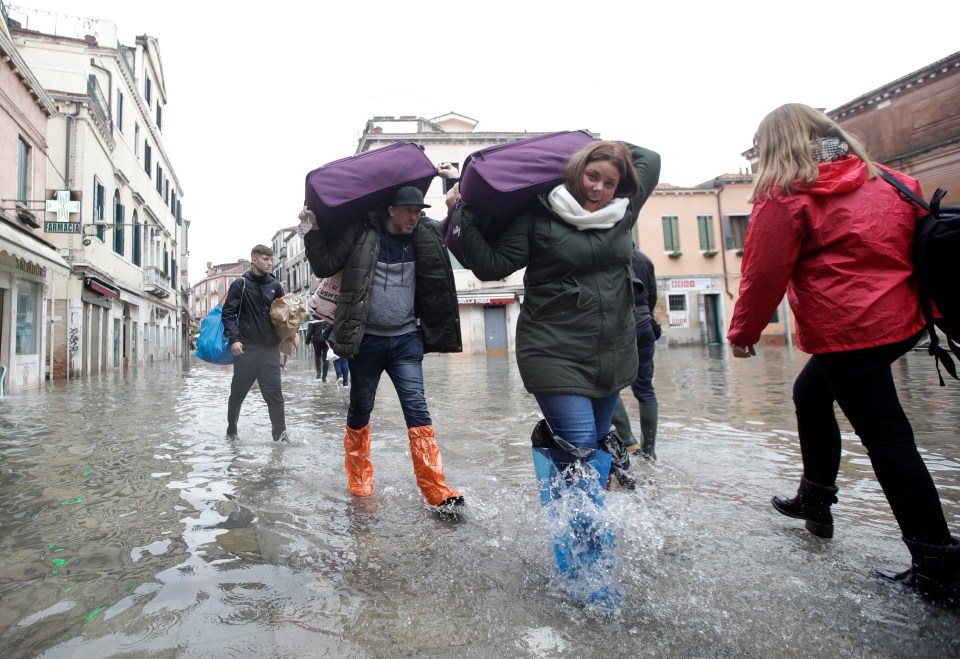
829	232
398	301
253	341
341	366
318	333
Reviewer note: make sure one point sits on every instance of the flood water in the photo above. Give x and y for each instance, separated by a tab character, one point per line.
130	528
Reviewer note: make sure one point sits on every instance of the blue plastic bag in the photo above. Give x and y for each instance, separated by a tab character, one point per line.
212	344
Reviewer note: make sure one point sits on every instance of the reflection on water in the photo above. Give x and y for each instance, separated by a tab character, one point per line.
131	528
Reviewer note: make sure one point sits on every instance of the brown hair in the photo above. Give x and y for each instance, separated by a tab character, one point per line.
261	249
614	152
786	159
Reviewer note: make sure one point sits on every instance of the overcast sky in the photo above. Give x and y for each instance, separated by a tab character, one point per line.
258	97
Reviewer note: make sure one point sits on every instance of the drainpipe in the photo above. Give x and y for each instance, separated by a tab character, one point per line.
718	186
68	171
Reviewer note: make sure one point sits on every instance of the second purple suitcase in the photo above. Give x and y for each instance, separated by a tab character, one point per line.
502	180
345	190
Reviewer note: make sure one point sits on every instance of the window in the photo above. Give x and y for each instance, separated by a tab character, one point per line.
166	191
159	115
118	212
671	233
119	111
736	226
148	90
137	237
173	274
99	201
705	225
23	170
166	262
147	157
27	293
159	179
136	140
677	302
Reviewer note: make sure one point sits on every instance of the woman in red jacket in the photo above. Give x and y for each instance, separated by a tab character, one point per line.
833	235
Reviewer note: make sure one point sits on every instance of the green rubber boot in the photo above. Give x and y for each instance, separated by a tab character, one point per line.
621	421
649	418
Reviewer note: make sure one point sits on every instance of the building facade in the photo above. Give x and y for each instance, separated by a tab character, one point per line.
913	125
695	238
112	200
29	264
212	289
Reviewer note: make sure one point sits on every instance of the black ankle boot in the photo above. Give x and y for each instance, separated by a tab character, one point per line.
612	443
935	570
812	504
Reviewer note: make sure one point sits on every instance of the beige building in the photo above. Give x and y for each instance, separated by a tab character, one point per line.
695	237
29	264
113	202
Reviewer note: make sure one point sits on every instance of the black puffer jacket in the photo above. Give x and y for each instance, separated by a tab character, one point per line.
250	297
355	251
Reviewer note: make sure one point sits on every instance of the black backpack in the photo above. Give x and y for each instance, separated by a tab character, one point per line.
936	259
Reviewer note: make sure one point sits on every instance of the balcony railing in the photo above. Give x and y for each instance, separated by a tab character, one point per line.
156	281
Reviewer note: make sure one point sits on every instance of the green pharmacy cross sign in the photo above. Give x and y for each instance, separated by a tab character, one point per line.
64	206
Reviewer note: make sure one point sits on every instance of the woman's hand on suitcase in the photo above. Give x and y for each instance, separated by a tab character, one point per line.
447	170
308	215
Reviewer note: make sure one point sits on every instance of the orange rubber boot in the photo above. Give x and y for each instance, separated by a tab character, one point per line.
356	462
428	466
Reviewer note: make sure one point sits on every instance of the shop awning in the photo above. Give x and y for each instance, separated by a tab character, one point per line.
97	287
21	244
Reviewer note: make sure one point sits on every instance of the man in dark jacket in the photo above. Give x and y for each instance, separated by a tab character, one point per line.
398	300
253	341
648	331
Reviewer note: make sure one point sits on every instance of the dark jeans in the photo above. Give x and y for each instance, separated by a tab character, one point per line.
580	420
646	346
861	382
401	357
262	367
320	359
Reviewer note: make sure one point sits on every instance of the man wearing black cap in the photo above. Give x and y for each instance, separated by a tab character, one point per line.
398	300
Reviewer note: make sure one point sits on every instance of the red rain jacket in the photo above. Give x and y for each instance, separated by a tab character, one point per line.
842	251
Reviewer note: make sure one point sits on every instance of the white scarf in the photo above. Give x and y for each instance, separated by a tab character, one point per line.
571	212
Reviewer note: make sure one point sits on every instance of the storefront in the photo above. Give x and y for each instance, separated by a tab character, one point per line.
27	264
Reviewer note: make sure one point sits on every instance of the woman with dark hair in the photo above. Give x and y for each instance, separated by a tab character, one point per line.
837	238
576	340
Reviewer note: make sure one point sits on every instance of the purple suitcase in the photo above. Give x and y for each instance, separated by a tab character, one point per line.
499	182
502	180
345	190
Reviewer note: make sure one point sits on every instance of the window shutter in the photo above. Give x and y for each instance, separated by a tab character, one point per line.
727	232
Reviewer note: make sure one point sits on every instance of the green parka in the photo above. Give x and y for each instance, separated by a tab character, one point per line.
355	251
576	331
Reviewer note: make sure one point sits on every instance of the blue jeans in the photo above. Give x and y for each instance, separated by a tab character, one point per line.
646	345
342	367
580	420
402	359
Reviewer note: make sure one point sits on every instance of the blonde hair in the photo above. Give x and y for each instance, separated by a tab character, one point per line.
786	159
